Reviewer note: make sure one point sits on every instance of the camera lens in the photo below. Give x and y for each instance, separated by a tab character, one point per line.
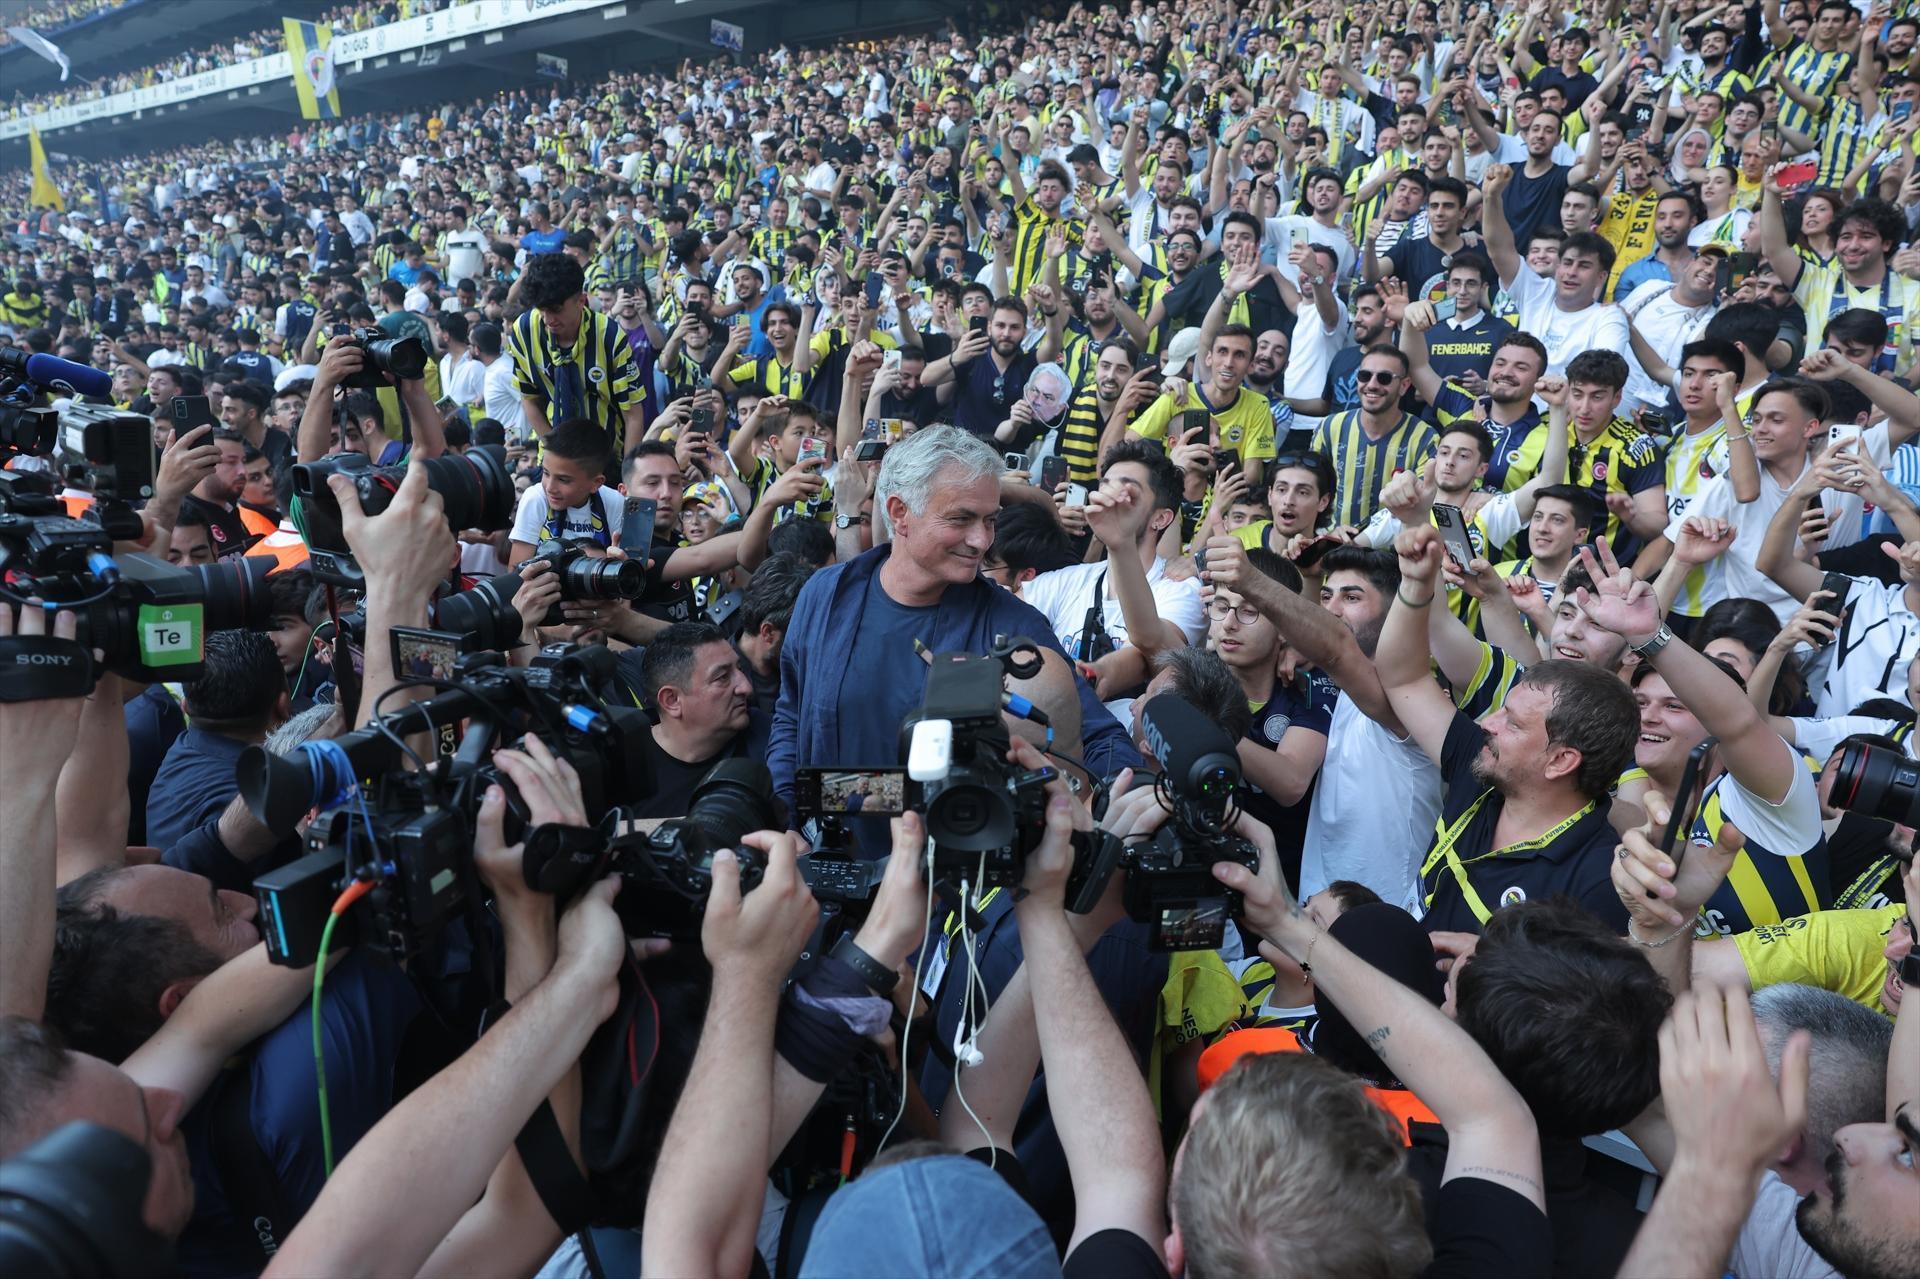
235	590
474	487
586	578
735	799
967	816
404	358
486	613
1876	782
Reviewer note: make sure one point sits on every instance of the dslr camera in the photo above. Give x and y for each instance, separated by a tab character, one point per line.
585	577
1876	782
404	359
476	487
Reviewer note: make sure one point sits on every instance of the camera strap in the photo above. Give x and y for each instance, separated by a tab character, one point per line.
1095	643
36	667
557	1179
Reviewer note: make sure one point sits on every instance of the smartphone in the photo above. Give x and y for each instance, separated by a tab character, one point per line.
189	411
870	450
1193	420
811	447
1682	815
874	283
1015	461
891	360
700	422
1795	178
870	431
1453	532
1900	111
419	653
1312	553
1226	461
1053	472
1076	495
977	324
1444	309
636	524
1200	559
850	792
1839	584
893	429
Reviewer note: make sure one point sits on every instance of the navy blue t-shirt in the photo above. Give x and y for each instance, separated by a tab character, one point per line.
892	681
366	1007
154	720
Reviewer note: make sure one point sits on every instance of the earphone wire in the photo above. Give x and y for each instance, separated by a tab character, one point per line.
919	968
967	1024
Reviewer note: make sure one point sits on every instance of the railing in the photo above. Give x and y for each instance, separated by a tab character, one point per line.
411	35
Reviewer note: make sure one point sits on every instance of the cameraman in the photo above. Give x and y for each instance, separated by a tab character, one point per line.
693	679
238	699
323	430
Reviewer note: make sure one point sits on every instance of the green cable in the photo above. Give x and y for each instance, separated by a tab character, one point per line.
319	1057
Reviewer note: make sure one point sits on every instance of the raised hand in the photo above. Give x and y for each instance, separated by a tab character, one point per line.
1661	892
1702	540
1619	602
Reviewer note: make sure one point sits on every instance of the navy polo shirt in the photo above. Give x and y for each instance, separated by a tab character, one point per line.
1577	863
195	782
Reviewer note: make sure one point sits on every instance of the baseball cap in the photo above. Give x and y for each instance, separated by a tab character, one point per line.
1184	346
943	1215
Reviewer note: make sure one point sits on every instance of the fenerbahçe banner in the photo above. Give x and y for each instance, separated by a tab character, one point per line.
310	55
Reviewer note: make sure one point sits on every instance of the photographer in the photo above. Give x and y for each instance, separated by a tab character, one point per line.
939	492
335	425
692	677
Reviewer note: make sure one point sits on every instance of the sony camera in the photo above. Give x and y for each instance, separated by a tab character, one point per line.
983	814
404	359
475	486
410	833
585	577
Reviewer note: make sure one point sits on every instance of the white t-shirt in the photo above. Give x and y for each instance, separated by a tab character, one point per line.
1820	738
1064	596
531	515
1878	640
1565	333
1734	573
466	253
1283	233
1314	347
1373	810
1789	828
1667	327
503	398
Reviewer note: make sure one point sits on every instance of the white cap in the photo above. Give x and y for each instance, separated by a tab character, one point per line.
1183	348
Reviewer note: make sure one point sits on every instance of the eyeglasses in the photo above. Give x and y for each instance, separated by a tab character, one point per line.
1383	376
1245	614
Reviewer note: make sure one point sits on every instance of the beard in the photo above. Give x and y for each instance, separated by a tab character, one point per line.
1368	636
1840	1241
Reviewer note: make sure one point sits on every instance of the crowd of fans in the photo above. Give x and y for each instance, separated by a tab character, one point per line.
258	44
1496	421
50	16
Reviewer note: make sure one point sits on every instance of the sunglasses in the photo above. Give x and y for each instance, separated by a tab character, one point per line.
1385	377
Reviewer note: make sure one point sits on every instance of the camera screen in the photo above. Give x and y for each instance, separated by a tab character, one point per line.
874	792
1198	927
421	654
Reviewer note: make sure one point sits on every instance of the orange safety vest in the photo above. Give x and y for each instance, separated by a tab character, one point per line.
1405	1108
283	545
257	525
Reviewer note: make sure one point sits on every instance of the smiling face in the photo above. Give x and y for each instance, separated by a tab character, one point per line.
1511	376
948	540
1379	382
1576	639
1554	530
1668	730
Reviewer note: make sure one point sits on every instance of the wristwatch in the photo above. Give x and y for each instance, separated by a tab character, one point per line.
1653	643
876	974
846	520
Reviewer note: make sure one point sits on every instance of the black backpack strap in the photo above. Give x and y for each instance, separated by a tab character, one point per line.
1093	629
247	1176
556	1178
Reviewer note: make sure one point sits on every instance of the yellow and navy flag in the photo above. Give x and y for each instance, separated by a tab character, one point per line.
45	193
310	51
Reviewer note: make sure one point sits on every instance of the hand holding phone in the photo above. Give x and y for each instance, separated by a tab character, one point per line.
636	525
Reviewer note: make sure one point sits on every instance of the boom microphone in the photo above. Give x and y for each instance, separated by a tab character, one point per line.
1197	757
50	371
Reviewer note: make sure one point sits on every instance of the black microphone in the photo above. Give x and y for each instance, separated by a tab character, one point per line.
1196	755
50	371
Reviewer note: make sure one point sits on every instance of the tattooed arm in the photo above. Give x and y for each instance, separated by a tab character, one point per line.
1490	1131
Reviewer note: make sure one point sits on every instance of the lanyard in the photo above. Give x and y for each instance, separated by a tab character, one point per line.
1446	837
